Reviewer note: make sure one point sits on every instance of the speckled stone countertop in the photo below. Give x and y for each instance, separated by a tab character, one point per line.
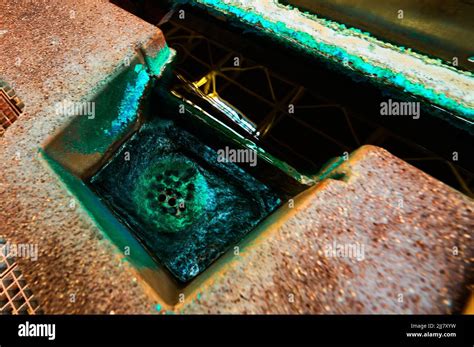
413	248
52	51
406	221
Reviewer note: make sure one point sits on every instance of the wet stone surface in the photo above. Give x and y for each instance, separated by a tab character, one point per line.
179	200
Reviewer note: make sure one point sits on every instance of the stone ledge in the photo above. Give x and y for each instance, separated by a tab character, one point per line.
407	248
68	51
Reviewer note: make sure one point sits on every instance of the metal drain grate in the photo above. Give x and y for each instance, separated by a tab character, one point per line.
15	296
10	107
178	191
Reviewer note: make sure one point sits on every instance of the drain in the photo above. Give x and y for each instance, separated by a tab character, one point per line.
176	194
184	205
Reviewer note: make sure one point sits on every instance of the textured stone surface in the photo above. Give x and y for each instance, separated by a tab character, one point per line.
61	50
66	49
408	248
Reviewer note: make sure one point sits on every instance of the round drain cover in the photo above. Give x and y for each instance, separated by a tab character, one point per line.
172	194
